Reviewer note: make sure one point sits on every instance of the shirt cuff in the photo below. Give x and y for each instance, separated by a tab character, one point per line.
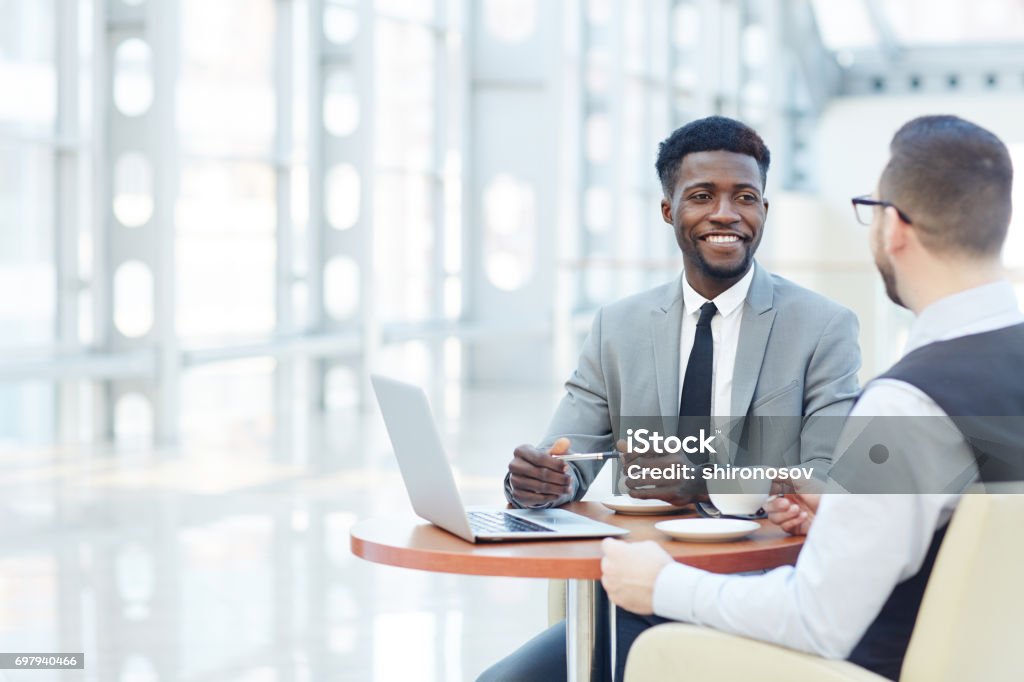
675	590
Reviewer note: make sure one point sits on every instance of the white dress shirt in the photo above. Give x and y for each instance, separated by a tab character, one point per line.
725	335
860	546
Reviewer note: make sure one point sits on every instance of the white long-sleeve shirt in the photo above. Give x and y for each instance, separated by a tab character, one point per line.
860	545
725	337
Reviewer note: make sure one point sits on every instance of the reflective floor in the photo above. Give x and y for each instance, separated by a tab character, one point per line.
227	559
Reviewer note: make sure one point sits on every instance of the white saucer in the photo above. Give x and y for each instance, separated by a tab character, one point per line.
707	530
624	504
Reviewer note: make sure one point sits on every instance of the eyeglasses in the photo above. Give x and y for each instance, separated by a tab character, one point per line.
863	208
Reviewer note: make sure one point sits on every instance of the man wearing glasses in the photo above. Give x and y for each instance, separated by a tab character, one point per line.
938	223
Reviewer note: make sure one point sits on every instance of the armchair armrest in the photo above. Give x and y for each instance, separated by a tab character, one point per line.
700	653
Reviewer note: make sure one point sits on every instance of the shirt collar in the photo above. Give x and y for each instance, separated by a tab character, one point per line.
973	311
727	302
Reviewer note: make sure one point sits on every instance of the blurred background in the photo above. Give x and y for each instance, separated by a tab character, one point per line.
217	217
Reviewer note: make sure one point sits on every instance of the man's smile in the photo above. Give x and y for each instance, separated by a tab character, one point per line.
723	241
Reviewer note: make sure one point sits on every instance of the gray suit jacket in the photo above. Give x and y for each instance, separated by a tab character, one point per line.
797	357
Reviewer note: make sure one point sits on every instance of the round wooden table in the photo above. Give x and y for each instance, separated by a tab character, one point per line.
410	542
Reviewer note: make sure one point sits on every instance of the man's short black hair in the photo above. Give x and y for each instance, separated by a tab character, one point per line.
711	134
954	180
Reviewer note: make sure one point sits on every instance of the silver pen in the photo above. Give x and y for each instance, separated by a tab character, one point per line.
578	456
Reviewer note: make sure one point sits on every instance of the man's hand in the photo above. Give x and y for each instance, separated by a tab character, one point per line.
629	570
793	513
536	476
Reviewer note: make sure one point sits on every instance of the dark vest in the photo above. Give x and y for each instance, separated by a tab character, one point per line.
977	380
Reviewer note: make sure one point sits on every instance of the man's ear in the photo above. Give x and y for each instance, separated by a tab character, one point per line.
895	232
666	211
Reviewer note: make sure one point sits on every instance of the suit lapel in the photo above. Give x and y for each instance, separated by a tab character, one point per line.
758	317
666	320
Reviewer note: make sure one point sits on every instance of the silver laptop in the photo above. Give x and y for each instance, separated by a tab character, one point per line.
428	478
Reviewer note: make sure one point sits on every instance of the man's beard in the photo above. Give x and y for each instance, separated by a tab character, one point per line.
885	269
725	272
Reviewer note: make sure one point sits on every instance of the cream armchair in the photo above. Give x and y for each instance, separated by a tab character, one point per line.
969	626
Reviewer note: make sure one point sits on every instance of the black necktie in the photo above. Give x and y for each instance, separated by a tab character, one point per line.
695	401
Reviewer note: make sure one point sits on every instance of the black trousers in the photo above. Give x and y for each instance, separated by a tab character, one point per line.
544	657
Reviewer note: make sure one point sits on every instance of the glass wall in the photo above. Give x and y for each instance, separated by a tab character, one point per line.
233	211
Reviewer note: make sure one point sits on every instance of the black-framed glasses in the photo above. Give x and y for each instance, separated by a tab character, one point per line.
863	208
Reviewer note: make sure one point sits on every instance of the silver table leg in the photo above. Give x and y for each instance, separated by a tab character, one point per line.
580	628
612	637
587	611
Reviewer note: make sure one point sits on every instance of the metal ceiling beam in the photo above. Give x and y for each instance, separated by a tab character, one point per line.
821	72
886	36
935	69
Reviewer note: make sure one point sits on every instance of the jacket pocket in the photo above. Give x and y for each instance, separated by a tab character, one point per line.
778	393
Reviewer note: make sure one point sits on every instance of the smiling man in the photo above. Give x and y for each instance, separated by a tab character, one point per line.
714	202
725	340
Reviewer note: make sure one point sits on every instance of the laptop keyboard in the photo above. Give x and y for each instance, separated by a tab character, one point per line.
499	522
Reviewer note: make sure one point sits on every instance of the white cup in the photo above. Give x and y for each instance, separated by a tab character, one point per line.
739	496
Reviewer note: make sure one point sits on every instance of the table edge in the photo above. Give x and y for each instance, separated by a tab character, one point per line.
440	561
